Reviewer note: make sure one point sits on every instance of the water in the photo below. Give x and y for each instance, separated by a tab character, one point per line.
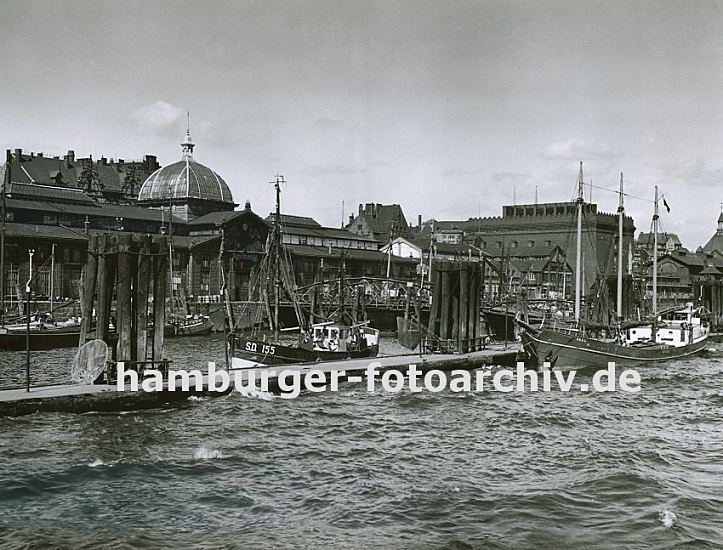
360	470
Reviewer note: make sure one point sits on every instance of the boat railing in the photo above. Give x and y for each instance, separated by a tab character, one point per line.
431	343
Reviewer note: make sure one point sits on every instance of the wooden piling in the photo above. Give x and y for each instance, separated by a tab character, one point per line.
464	281
91	270
124	322
444	331
142	287
102	310
160	276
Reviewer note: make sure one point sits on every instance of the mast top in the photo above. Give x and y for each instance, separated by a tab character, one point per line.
621	207
580	188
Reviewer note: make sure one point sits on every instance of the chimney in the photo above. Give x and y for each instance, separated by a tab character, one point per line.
40	155
69	158
419	220
19	154
361	209
351	218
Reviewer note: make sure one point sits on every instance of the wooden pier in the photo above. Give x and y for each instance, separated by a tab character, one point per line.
107	397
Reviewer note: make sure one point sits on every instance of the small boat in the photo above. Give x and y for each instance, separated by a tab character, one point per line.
43	336
324	342
190	325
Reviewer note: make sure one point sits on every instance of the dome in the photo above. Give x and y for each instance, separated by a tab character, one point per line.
185	179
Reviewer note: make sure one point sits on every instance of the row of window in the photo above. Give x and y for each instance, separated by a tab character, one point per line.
515	244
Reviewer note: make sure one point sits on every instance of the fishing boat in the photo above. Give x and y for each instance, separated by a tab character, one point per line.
330	340
188	325
675	335
40	335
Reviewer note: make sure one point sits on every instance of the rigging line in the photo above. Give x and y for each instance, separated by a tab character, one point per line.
617	192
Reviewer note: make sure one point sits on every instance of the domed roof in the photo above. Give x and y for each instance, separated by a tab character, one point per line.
185	179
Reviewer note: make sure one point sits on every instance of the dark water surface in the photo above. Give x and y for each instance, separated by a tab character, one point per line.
372	470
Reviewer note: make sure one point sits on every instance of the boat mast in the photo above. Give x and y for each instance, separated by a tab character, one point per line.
170	244
277	247
5	183
621	216
578	255
655	255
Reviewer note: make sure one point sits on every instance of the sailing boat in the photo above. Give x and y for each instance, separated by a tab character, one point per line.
677	334
333	340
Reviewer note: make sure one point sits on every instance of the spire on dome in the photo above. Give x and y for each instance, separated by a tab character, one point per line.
187	144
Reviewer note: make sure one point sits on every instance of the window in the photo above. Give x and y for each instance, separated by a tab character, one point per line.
514	244
531	276
530	243
548	243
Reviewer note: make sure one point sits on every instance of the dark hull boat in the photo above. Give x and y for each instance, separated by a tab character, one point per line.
188	327
14	339
572	350
42	338
501	324
248	352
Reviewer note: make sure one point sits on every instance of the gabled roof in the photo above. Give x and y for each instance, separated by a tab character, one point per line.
715	244
648	238
381	217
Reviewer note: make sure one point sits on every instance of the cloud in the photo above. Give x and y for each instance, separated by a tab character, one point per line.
690	172
510	178
158	118
334	170
453	172
579	149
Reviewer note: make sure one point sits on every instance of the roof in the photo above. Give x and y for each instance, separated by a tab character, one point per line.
48	192
218	219
648	238
185	179
294	221
94	209
54	232
381	217
350	253
715	244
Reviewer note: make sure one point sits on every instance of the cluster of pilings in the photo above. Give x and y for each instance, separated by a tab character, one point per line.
454	319
135	270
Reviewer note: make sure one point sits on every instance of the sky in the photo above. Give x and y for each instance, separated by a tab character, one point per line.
450	108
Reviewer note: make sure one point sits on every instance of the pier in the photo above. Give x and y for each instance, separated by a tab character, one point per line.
83	398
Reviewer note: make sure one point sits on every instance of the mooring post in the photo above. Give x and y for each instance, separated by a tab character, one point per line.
141	294
91	268
159	297
445	299
478	279
101	328
123	307
464	305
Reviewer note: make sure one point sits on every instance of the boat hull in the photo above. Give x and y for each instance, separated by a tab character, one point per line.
252	353
409	333
172	330
500	323
571	351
